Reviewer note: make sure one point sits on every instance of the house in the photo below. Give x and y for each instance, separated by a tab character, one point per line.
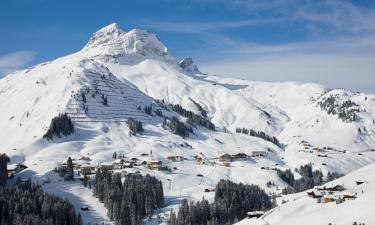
259	154
15	168
226	164
106	166
154	164
255	214
85	158
175	158
128	165
329	198
336	187
123	163
225	157
87	169
172	158
314	194
348	196
239	156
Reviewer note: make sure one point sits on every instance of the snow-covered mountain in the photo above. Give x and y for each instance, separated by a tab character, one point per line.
331	128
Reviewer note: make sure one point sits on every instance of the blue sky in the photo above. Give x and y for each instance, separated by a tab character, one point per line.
330	42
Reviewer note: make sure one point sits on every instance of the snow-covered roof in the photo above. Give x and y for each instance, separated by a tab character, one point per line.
255	213
87	166
12	166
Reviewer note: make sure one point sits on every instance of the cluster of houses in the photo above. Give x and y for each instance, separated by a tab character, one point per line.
321	152
226	158
84	166
332	193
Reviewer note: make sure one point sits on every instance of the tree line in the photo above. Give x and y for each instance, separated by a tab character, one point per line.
177	127
27	203
3	168
135	126
193	118
60	125
308	180
231	204
346	111
130	201
259	134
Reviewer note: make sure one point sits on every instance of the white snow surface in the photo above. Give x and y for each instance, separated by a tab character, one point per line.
135	69
301	209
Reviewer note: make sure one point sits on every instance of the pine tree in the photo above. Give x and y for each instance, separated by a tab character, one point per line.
69	170
3	168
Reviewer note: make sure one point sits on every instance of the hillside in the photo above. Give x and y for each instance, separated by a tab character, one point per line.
301	209
118	74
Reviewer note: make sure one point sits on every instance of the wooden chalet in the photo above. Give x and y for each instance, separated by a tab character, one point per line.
87	169
106	166
336	187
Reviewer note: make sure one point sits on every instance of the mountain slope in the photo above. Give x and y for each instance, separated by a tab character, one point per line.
117	74
301	209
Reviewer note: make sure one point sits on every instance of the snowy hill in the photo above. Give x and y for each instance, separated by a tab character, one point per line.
301	209
118	73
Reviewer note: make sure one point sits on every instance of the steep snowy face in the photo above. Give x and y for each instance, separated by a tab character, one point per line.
188	65
111	40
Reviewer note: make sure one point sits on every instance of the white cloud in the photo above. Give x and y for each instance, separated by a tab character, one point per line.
15	61
340	62
204	27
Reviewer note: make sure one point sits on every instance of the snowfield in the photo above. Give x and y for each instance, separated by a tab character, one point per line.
301	209
133	69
